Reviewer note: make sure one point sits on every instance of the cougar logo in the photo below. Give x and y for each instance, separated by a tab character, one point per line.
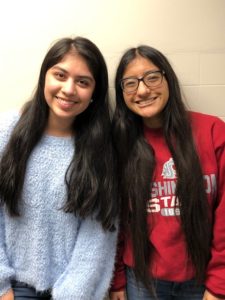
168	170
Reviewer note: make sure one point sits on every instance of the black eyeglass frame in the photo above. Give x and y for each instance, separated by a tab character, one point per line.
162	72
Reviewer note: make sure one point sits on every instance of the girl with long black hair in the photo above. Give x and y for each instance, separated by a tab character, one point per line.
172	183
58	193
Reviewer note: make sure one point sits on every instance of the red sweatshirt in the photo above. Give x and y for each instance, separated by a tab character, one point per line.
170	260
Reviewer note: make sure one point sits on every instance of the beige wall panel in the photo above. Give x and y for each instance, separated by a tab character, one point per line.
186	66
209	99
190	32
212	66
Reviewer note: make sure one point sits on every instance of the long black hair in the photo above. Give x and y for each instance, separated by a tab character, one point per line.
137	163
90	178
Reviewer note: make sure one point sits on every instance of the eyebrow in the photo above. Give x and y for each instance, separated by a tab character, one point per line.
78	76
145	73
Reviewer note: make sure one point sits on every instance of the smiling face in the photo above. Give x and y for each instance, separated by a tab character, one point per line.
69	86
146	102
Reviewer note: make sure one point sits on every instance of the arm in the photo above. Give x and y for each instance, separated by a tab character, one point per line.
6	271
8	296
117	289
7	122
88	274
208	296
120	295
215	276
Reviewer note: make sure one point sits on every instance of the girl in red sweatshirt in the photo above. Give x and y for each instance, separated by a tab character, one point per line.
172	183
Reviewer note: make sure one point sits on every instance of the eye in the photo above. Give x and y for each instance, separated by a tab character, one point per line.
83	82
129	83
153	77
60	75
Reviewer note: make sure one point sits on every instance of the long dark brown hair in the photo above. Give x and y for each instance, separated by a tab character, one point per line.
137	163
91	176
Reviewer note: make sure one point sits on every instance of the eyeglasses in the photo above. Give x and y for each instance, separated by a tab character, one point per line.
151	79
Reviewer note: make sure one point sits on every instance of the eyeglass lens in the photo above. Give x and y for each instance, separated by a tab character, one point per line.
151	79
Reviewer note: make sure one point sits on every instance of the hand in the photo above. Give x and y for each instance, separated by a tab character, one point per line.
121	295
208	296
8	296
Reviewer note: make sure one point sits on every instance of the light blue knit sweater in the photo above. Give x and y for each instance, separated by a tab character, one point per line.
46	247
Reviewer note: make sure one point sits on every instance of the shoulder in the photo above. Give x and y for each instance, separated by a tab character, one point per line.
205	122
208	128
201	117
8	121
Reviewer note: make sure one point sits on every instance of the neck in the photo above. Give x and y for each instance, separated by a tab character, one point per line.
60	129
154	124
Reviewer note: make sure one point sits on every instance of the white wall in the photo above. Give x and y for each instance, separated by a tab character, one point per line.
189	32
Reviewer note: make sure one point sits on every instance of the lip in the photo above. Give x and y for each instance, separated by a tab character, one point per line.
66	100
146	102
65	104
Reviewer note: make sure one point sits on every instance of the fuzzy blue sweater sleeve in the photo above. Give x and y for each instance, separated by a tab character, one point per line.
6	271
88	275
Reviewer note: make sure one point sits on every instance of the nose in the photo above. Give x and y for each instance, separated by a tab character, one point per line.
142	88
69	87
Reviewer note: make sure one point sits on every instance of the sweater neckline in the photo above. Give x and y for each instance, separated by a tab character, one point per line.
57	140
153	131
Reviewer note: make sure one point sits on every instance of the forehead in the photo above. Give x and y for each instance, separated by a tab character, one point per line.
138	66
73	63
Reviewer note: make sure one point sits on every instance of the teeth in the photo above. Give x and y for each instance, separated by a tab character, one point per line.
146	101
66	101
